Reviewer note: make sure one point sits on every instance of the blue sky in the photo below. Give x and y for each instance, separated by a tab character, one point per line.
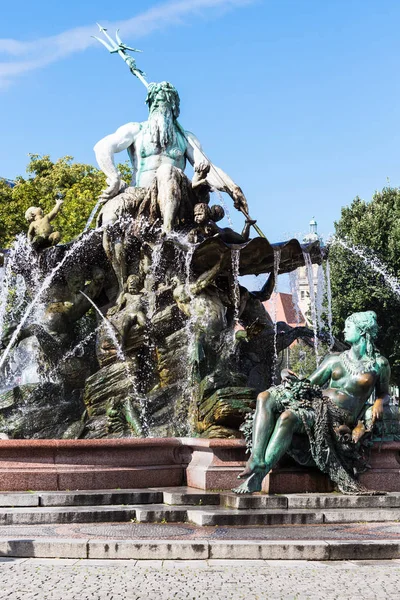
296	100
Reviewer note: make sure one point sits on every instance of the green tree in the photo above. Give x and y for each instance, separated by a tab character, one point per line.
79	184
373	227
302	359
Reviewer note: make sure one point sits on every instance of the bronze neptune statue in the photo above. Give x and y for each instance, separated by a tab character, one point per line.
330	418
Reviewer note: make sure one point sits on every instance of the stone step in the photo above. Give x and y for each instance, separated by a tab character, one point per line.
172	549
100	497
186	496
74	514
308	501
189	496
212	516
232	517
81	498
223	516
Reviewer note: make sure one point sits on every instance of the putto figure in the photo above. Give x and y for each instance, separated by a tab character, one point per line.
40	233
330	418
159	150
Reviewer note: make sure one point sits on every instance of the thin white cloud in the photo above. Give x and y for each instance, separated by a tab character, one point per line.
36	54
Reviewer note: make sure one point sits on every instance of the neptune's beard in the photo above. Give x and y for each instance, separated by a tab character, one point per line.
162	130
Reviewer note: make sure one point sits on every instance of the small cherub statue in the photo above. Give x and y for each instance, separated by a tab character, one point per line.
130	304
40	232
205	218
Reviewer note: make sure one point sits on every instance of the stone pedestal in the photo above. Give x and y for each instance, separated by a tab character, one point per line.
216	464
90	464
164	462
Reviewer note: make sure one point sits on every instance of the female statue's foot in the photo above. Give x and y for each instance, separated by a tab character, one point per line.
252	466
252	484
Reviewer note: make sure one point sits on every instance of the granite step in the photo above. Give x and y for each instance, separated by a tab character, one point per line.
265	517
189	496
75	514
201	549
100	497
213	516
80	498
308	501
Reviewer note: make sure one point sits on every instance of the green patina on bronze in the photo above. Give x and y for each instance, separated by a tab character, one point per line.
330	420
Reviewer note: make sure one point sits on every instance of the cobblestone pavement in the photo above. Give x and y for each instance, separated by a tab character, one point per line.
69	579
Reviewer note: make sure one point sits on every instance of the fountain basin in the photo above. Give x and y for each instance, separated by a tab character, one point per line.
209	464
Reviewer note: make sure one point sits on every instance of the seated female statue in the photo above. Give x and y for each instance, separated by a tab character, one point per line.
329	417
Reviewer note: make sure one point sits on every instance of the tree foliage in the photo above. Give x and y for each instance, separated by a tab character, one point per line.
79	184
374	228
302	359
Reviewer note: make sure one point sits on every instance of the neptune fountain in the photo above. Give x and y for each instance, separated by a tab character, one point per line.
141	327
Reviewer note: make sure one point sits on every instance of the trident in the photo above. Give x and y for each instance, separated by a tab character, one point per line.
118	47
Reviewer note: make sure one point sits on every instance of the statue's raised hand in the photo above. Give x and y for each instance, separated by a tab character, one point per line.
239	199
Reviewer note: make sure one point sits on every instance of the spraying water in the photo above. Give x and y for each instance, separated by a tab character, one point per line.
225	207
321	286
277	260
121	355
235	256
19	251
294	290
371	261
310	278
92	214
43	287
76	350
329	301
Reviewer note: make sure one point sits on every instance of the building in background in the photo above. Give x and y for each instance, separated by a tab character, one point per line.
282	308
303	283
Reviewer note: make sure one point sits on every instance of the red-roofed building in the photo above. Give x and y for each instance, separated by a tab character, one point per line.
281	308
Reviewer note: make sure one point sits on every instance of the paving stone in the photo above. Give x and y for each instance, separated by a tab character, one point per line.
149	564
185	564
376	563
299	564
149	549
105	563
12	559
57	562
226	562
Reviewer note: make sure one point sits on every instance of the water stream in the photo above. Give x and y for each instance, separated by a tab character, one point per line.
310	278
329	301
42	288
372	261
294	290
92	214
131	376
277	260
235	257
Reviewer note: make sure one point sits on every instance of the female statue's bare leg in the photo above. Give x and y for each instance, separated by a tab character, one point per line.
278	444
264	423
